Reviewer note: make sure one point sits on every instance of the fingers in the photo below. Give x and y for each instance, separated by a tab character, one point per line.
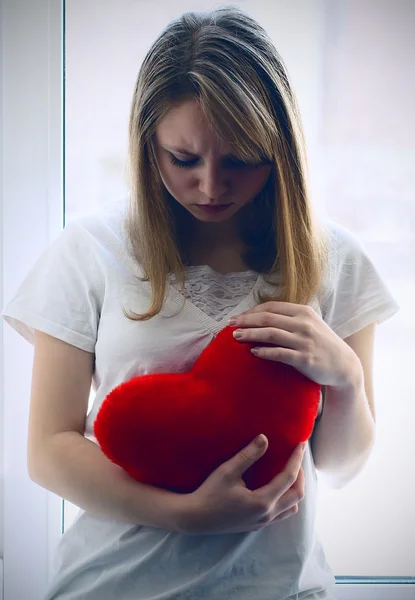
294	495
283	308
271	335
286	479
286	514
291	499
288	504
268	319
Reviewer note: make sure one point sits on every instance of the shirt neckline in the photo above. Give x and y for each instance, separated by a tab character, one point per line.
204	319
218	273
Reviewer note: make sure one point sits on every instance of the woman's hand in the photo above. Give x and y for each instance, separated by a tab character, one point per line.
299	337
223	503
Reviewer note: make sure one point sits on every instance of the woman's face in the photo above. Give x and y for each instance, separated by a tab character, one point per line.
197	167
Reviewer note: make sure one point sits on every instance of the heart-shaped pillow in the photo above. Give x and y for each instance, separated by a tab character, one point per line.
172	430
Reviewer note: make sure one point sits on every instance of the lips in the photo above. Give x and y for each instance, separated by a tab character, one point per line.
213	208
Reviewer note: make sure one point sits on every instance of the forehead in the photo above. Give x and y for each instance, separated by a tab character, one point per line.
186	126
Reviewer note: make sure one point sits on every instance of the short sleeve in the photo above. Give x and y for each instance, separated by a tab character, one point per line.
355	294
60	295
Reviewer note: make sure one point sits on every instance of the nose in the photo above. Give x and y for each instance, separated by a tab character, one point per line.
212	182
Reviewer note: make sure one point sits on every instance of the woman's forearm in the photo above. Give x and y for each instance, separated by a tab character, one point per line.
76	469
345	433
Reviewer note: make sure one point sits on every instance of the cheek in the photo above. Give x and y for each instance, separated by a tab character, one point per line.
250	184
175	181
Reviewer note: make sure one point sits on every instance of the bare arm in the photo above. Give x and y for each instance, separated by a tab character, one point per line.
61	460
344	435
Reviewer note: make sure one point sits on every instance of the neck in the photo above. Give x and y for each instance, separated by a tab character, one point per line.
215	234
218	247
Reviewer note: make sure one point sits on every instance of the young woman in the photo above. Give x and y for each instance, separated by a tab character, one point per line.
218	223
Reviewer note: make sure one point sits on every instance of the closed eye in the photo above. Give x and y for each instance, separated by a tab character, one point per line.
181	163
231	163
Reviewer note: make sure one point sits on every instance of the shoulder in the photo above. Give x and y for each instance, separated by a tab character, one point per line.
100	237
97	236
76	269
90	246
99	224
346	255
353	293
341	241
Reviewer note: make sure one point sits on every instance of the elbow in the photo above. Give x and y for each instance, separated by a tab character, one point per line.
334	481
339	477
33	467
37	462
337	467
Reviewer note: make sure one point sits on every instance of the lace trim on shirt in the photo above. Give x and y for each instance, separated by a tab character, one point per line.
216	294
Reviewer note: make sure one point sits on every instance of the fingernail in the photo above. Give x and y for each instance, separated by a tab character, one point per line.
260	441
232	321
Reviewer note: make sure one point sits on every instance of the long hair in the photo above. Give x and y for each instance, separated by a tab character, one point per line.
225	60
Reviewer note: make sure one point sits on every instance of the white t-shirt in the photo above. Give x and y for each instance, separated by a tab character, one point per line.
76	292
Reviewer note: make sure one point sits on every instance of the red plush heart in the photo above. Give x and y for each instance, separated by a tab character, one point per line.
172	430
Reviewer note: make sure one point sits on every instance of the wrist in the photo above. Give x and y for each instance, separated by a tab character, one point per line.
352	380
162	508
348	397
183	512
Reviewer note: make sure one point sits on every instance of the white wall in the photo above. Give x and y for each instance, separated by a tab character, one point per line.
31	145
1	328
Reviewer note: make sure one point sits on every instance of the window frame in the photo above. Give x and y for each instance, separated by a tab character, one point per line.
31	122
32	207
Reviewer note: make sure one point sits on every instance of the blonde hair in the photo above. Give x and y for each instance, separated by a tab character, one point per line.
225	60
